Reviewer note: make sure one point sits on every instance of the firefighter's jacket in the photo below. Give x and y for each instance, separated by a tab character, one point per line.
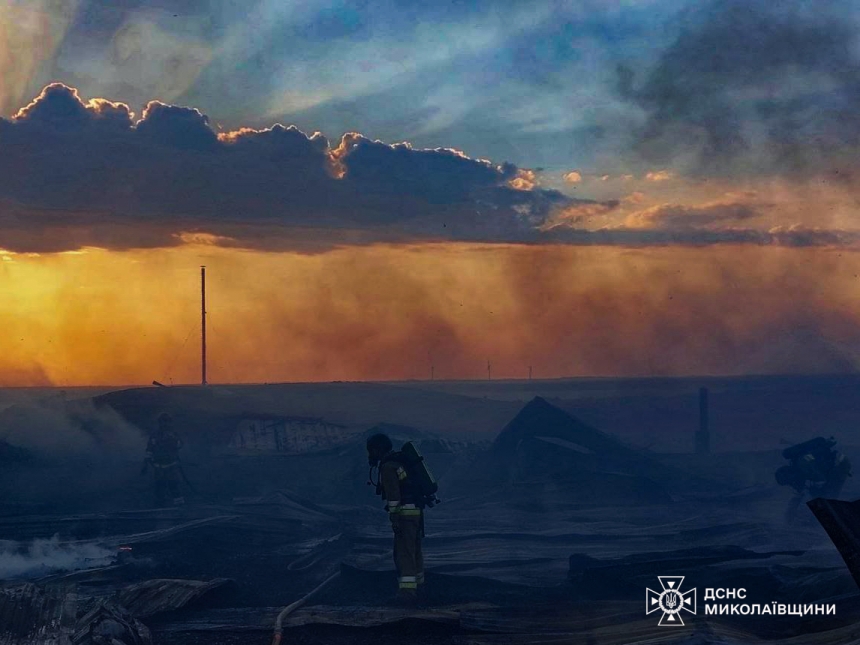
163	449
395	487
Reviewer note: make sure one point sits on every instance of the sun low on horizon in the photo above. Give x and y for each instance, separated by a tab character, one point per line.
383	192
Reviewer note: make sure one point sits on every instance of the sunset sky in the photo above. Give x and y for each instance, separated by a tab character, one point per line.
591	188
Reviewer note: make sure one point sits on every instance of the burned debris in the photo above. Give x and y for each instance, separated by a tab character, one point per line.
549	525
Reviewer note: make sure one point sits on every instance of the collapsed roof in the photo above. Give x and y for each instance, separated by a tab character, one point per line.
543	421
545	443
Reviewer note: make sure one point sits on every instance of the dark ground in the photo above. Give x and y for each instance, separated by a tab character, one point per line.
551	537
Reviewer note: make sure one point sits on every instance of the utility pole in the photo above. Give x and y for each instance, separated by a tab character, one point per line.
489	371
432	373
203	325
530	372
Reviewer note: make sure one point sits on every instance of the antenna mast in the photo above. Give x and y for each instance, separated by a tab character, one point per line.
203	325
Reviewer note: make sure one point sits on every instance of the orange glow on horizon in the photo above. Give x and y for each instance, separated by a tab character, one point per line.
386	312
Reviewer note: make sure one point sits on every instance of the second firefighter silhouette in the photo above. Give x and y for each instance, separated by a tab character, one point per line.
817	469
408	487
162	455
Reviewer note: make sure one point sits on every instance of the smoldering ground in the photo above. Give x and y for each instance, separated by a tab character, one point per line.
42	557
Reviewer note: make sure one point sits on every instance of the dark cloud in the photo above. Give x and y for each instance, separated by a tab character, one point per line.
440	176
66	164
59	108
753	86
176	127
75	174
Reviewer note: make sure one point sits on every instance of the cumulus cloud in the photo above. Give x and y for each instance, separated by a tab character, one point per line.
77	174
59	107
659	175
573	177
525	180
91	173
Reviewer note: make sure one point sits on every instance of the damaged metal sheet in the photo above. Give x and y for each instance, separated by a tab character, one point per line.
280	527
108	623
841	520
231	619
361	616
285	504
157	596
544	445
621	623
504	538
649	563
33	615
644	633
559	619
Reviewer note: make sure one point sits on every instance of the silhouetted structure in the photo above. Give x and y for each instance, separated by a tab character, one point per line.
841	520
203	325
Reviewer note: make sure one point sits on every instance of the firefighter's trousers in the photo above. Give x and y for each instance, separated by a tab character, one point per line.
167	483
408	525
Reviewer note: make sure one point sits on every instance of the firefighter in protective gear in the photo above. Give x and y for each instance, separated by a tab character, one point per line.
162	455
817	469
404	511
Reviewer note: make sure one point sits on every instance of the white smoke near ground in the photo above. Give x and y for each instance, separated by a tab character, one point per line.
69	454
43	557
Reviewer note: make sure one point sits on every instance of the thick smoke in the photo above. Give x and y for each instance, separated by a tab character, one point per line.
383	312
56	428
752	87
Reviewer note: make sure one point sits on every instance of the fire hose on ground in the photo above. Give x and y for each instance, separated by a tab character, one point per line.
286	611
289	609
